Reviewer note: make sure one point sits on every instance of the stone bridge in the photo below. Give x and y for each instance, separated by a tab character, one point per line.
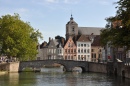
68	64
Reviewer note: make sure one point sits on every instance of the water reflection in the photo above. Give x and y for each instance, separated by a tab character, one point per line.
56	77
13	79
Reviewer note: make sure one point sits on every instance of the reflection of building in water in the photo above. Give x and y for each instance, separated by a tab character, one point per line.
71	80
14	79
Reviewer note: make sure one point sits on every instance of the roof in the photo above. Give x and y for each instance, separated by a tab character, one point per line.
96	41
44	44
71	21
89	30
84	38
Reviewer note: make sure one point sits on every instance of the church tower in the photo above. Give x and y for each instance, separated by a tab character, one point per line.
71	28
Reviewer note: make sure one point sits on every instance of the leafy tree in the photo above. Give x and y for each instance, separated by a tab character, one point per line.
18	38
120	35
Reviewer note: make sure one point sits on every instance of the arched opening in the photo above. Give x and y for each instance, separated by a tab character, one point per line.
123	73
79	69
115	71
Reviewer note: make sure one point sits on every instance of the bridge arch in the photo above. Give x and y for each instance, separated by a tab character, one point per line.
68	64
79	69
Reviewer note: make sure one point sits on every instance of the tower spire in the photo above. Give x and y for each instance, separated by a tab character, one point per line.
71	17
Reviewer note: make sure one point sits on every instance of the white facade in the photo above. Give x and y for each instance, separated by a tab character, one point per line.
83	51
60	53
40	53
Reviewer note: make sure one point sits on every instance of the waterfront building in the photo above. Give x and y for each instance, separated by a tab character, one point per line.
83	48
88	36
96	49
77	46
70	50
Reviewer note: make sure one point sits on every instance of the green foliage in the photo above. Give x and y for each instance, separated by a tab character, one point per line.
120	35
18	38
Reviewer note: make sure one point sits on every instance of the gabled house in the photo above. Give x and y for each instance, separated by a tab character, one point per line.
42	51
52	49
70	50
96	49
83	48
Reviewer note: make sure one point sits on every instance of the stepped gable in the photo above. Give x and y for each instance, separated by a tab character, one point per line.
89	30
96	41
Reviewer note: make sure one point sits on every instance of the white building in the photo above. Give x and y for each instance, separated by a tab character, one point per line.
83	48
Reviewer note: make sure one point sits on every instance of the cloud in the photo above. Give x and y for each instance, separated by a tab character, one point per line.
71	1
101	2
52	1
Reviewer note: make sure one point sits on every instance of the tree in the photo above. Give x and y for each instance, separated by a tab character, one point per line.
18	38
120	35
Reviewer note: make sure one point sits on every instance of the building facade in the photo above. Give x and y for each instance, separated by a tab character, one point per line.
83	48
70	50
80	44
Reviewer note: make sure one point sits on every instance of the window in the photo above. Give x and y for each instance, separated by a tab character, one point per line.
85	57
99	55
65	50
71	50
78	57
100	50
65	57
84	45
71	57
78	45
68	50
75	50
54	57
73	29
88	50
81	50
92	50
88	45
68	57
69	45
60	50
84	50
78	50
81	45
49	50
95	55
54	50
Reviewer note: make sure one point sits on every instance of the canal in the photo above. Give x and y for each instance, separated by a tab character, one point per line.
56	77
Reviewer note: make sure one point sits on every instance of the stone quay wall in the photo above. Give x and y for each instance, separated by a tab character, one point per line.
97	67
9	67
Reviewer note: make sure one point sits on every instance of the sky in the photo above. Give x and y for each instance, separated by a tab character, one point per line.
51	16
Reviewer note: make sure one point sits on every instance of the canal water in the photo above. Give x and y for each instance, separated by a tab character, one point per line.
56	77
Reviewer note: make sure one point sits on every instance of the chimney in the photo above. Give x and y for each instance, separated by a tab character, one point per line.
49	39
91	37
62	41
